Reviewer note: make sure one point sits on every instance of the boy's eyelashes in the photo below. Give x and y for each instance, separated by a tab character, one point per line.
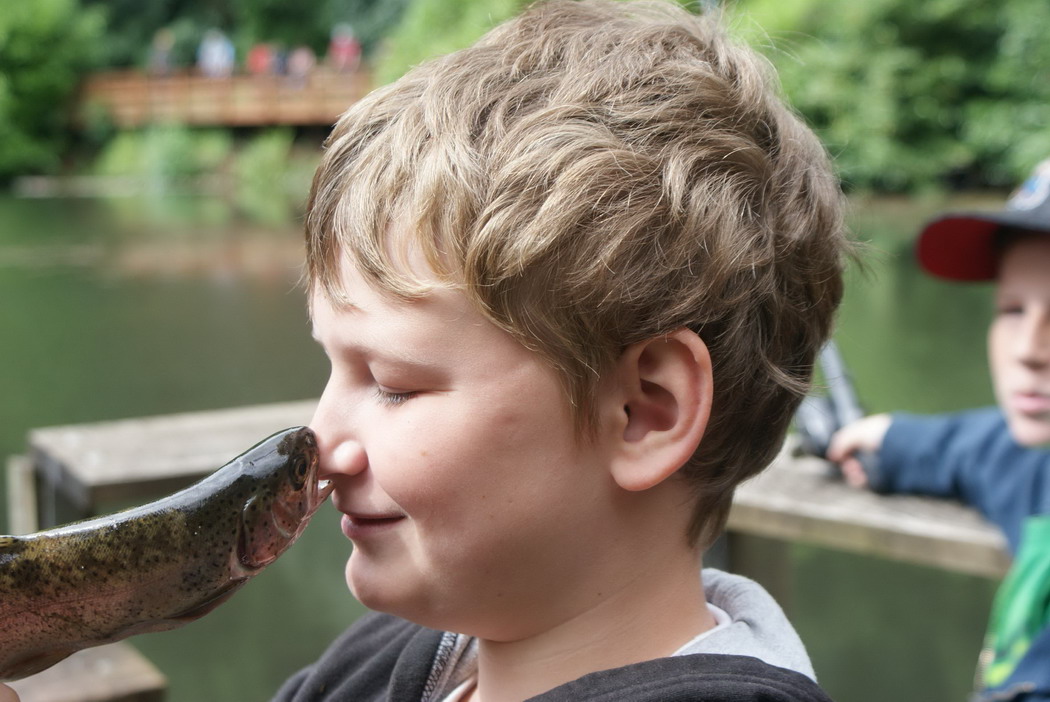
391	397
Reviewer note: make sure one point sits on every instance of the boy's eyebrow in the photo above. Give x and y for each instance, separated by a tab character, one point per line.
399	357
342	304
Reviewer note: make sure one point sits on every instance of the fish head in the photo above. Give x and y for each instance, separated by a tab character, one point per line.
286	494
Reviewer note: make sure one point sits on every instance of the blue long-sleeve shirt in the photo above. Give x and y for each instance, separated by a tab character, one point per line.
971	456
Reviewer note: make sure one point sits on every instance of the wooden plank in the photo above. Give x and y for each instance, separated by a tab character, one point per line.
21	496
111	673
796	500
132	458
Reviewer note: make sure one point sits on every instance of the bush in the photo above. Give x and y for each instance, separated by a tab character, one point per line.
164	156
908	94
134	23
431	28
45	46
260	173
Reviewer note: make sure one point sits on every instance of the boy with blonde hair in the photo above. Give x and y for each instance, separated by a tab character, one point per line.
571	281
996	459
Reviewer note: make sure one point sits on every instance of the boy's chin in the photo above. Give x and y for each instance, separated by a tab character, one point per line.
1033	432
366	588
378	591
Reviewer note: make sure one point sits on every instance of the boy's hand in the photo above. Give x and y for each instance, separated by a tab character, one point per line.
7	694
863	435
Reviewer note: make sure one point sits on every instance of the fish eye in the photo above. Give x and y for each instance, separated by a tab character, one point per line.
300	469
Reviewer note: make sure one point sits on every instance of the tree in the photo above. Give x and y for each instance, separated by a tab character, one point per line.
431	28
908	94
132	24
45	46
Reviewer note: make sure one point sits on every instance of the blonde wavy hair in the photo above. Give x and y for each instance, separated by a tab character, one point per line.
592	174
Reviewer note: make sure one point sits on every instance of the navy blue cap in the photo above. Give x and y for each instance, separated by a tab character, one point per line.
961	246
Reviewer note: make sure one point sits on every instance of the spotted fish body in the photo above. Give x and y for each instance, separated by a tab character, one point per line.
158	566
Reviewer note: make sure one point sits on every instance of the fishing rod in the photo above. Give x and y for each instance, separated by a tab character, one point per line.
819	416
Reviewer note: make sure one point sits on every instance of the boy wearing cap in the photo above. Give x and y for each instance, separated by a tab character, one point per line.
571	282
995	459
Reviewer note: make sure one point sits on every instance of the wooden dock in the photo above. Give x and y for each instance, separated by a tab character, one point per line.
132	99
796	500
81	467
111	673
73	471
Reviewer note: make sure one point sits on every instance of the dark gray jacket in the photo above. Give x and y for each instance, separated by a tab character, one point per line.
385	659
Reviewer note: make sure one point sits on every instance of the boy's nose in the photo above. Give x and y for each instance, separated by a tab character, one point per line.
340	451
344	458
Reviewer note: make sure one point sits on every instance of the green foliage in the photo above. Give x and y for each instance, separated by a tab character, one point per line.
131	25
906	94
310	22
260	177
434	27
372	20
911	94
45	45
264	176
162	156
287	23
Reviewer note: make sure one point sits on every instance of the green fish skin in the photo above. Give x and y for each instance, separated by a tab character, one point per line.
158	566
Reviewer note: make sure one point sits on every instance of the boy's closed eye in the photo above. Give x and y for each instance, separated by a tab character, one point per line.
1006	304
392	397
1008	309
396	381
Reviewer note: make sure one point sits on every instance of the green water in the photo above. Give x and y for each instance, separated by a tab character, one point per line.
131	308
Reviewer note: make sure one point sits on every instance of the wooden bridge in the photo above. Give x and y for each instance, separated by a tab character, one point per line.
132	99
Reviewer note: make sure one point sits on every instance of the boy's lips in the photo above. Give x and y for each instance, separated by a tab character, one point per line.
356	526
1031	402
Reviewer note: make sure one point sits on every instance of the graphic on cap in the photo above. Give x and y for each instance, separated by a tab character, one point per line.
1033	192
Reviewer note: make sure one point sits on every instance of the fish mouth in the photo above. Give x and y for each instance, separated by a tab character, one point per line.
288	522
324	489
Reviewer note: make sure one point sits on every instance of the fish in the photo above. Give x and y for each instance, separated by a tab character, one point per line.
158	566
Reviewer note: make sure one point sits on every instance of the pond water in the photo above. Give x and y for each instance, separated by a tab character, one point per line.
127	308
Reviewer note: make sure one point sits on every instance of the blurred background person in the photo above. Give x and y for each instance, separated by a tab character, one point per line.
344	50
996	459
160	58
215	57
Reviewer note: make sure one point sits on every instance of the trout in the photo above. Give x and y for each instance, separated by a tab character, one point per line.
158	566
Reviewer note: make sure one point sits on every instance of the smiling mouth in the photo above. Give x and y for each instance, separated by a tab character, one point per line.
372	521
357	526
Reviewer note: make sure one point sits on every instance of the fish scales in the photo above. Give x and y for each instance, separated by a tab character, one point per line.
158	566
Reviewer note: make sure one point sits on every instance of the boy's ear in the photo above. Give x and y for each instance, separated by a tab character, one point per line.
666	390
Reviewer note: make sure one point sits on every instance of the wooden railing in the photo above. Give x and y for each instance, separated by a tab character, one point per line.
133	99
